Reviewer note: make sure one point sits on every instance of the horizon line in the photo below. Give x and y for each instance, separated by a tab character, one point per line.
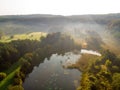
57	14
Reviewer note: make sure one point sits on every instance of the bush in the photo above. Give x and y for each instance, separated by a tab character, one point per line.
16	87
116	81
17	81
2	75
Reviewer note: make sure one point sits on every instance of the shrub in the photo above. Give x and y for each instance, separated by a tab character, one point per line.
2	75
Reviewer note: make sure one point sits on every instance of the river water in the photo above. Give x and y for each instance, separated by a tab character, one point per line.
50	75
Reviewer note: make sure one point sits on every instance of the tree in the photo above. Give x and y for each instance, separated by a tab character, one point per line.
116	81
108	63
1	34
2	75
17	81
12	36
16	87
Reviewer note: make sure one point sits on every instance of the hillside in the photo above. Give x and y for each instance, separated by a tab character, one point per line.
29	41
114	27
50	23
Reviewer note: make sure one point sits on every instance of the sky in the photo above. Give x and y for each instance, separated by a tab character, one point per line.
59	7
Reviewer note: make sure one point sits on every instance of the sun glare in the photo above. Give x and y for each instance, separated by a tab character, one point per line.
61	7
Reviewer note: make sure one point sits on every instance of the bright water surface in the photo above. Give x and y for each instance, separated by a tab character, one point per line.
51	75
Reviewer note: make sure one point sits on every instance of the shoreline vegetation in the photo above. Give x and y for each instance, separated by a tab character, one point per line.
29	53
98	72
26	40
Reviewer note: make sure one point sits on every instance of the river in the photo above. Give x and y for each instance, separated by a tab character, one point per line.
50	75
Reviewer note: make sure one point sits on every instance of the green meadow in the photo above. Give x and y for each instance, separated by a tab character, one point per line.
30	36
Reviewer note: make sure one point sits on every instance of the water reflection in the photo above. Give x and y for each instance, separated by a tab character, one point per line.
50	75
85	51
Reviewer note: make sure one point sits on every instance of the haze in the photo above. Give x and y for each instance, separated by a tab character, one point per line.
58	7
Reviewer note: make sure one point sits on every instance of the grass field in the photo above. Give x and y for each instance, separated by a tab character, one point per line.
31	36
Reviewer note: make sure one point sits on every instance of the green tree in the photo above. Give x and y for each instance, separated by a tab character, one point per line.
108	63
116	81
17	81
2	75
16	87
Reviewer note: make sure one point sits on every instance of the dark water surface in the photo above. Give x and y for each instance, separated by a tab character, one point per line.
51	75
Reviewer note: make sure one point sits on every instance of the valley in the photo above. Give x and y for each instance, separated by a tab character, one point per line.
56	52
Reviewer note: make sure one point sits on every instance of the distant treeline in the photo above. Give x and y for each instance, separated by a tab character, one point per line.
17	24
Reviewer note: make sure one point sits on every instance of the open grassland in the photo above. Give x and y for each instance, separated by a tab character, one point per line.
31	36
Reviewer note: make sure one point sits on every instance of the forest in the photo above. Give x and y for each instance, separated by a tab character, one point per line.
101	73
20	56
28	41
